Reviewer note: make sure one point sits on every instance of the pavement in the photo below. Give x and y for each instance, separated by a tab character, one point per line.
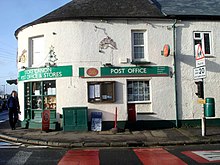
144	138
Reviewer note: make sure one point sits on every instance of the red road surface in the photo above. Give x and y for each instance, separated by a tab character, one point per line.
157	156
154	156
80	157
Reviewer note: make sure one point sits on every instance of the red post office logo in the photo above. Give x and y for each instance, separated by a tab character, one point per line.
92	72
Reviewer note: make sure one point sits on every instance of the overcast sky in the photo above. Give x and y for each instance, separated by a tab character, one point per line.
13	14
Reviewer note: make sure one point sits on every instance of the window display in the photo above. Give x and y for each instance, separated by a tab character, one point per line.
39	96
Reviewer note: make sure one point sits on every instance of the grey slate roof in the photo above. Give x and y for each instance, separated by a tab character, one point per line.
190	7
95	9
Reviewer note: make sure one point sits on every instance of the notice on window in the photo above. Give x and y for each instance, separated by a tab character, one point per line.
91	91
97	90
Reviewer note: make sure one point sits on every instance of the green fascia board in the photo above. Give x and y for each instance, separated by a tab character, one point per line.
148	71
45	72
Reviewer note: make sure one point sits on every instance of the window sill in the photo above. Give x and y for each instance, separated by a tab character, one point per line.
140	62
139	102
210	56
146	113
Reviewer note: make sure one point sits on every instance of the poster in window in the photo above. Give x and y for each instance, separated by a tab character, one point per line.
91	91
97	90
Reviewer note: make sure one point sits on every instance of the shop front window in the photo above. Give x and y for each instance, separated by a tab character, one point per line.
101	92
39	96
138	91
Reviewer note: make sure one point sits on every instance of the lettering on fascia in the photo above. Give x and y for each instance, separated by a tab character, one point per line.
128	71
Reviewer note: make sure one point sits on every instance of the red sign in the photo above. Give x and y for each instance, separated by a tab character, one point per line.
92	72
46	120
166	50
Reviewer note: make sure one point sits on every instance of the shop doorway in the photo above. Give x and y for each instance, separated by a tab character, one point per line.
131	113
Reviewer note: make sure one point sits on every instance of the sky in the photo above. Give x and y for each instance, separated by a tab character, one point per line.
14	14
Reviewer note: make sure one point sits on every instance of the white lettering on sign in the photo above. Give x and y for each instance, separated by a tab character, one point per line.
118	71
129	71
137	70
199	72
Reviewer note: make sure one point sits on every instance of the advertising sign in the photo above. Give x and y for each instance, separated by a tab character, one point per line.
46	120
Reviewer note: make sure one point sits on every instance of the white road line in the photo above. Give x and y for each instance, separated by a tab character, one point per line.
37	147
5	147
2	121
20	158
209	155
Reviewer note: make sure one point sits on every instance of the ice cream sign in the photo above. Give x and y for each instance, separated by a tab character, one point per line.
148	71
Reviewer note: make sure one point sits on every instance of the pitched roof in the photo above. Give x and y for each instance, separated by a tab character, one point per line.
200	8
95	9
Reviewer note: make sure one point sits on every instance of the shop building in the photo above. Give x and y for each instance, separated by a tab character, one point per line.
103	56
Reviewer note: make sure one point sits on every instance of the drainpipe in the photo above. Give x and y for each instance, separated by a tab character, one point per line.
175	74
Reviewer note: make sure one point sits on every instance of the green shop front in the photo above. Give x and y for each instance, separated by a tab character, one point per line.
40	94
101	90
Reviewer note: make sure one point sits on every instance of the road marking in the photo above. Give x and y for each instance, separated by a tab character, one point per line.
155	156
5	147
4	120
20	158
204	156
152	156
37	146
4	144
85	157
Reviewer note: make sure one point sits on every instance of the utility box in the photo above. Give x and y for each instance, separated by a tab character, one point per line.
75	119
209	107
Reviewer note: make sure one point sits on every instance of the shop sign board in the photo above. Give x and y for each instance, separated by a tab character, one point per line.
45	72
149	71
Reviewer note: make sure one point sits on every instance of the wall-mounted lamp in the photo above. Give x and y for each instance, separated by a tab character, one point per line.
107	65
23	67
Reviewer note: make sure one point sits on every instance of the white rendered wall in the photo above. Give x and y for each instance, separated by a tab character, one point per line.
76	43
189	108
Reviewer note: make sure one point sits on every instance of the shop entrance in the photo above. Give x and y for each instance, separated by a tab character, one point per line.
131	113
39	96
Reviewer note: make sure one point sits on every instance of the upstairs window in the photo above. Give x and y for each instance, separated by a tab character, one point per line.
36	51
139	46
204	39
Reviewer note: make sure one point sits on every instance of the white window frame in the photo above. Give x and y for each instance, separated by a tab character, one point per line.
145	58
149	90
33	61
201	37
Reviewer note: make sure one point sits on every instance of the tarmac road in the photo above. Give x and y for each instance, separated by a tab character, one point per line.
170	155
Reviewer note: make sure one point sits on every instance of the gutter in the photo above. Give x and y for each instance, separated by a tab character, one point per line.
175	74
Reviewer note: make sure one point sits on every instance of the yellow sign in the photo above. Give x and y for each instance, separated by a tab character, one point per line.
201	101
